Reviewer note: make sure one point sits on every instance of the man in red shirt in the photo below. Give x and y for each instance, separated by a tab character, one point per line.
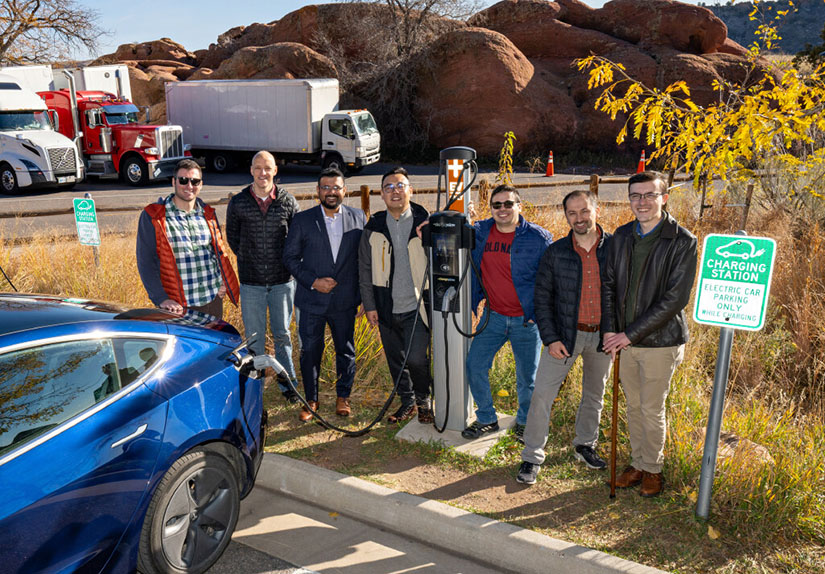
508	250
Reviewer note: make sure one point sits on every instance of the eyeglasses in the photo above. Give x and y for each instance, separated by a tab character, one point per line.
400	186
499	204
330	187
636	197
186	180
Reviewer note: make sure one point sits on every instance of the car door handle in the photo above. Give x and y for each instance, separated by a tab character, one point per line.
140	430
330	143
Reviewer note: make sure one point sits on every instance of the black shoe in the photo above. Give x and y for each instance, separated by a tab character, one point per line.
404	413
476	429
291	397
425	411
518	432
589	457
527	473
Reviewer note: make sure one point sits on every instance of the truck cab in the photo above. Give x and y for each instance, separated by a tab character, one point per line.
113	140
32	153
350	140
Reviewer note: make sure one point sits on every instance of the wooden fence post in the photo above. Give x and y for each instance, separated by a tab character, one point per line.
747	207
365	199
594	183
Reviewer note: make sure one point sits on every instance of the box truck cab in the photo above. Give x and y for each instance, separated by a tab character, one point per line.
113	140
228	121
32	153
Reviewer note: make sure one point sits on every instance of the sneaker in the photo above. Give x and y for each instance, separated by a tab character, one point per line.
518	432
476	429
589	457
291	397
527	473
404	413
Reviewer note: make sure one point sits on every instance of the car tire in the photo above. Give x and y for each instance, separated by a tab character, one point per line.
8	180
134	171
221	163
333	160
191	517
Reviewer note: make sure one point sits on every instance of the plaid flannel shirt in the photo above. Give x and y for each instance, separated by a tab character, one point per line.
191	242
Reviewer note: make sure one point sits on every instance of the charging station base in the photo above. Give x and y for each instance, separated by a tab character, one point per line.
417	432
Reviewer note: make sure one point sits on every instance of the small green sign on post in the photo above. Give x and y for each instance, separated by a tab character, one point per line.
734	281
86	220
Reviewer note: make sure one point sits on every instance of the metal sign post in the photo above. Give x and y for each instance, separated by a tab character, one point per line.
85	218
734	282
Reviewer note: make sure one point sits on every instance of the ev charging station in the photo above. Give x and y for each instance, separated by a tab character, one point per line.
449	239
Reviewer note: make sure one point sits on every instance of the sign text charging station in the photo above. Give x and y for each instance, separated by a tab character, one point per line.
732	293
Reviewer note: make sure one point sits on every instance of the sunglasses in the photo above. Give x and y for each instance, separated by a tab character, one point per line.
499	204
186	180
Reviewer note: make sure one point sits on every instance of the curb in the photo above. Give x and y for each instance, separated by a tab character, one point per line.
454	530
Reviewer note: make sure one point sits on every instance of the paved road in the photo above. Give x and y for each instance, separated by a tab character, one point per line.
111	194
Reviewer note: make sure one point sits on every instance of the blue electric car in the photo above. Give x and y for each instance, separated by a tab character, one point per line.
127	437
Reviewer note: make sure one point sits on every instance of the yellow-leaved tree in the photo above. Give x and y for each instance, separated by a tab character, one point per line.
772	123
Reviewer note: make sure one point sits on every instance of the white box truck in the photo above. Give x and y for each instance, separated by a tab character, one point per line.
32	153
227	121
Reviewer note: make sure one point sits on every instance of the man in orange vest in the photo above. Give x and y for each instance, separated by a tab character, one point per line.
181	254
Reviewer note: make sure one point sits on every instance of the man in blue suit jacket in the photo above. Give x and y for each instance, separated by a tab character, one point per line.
321	252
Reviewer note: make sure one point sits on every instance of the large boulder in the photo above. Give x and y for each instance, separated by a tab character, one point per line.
475	85
163	49
282	60
148	88
233	40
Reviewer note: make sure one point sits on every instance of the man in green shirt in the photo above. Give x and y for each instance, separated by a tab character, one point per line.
651	265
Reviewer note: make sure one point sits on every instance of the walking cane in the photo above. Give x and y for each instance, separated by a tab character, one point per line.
613	424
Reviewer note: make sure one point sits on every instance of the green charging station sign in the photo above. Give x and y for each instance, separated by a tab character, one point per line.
734	281
86	220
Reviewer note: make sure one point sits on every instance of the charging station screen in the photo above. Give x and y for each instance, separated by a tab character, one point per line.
446	247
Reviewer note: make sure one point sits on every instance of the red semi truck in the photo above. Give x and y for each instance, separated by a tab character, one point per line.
112	139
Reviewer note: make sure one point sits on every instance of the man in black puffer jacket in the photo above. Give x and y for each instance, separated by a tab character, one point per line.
568	313
646	285
257	223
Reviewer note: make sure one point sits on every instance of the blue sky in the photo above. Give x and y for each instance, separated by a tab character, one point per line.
195	24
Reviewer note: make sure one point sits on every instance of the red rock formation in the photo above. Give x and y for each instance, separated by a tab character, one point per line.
282	60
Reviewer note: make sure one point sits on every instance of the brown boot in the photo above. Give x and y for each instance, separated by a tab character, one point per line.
305	415
342	408
404	413
652	484
629	477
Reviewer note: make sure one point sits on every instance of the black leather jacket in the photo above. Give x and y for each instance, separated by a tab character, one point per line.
663	291
559	287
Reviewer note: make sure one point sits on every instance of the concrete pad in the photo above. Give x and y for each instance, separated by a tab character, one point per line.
414	431
501	545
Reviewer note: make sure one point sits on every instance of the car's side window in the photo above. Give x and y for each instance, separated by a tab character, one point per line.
42	387
135	357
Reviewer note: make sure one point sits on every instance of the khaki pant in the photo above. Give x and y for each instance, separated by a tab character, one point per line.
645	373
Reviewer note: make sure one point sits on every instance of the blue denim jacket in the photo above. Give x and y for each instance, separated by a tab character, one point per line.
529	244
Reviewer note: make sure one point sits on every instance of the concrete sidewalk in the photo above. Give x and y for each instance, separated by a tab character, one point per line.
506	548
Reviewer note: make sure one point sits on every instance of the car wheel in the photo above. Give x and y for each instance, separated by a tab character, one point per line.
221	163
134	171
8	179
191	517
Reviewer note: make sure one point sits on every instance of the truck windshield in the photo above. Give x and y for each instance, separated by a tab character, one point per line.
364	123
20	121
121	114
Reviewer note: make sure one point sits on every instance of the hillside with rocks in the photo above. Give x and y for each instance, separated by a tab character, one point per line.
508	67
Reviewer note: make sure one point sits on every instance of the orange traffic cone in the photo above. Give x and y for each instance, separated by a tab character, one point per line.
641	166
551	171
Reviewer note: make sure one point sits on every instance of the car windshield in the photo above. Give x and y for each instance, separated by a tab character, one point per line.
364	123
121	114
21	121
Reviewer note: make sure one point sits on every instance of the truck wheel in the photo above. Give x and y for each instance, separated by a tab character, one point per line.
8	179
333	160
191	517
221	163
134	171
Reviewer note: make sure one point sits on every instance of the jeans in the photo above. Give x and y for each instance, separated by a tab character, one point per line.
255	300
416	379
550	376
526	343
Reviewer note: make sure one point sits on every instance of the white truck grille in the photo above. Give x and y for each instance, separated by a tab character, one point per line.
170	141
62	160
